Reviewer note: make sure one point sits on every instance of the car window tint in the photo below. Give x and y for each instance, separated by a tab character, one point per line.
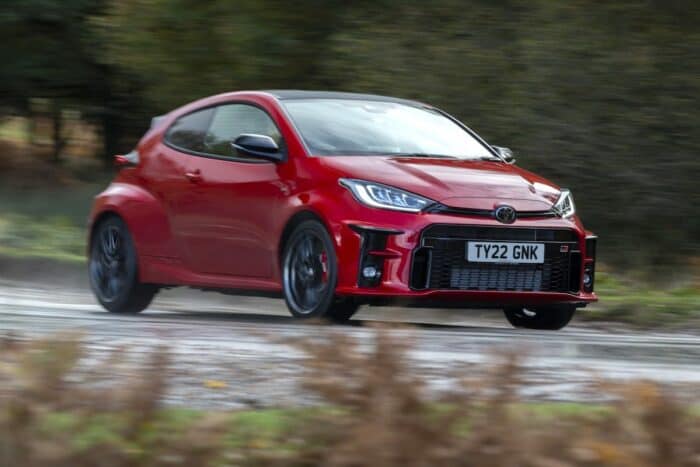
188	131
232	120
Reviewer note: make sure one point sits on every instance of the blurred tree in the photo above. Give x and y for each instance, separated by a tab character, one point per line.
600	96
46	54
185	49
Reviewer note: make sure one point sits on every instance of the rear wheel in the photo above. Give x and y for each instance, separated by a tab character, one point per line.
113	269
545	318
310	274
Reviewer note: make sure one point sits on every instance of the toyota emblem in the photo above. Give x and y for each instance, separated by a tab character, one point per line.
505	214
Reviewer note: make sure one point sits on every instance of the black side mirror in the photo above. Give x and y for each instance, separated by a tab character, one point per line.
258	146
505	153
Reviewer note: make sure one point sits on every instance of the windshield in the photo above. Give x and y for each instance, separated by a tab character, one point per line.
334	127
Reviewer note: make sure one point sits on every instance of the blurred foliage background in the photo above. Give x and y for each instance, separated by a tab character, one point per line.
601	97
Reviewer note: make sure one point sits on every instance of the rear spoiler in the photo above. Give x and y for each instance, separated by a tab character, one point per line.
155	121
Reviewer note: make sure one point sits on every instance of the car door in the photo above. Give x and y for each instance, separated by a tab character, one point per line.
165	172
224	218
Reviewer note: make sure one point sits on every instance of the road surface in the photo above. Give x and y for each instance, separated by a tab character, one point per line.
243	344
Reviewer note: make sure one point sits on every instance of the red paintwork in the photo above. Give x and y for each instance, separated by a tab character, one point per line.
218	223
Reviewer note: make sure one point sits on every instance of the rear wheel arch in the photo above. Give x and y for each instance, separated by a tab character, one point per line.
103	217
113	267
99	219
143	213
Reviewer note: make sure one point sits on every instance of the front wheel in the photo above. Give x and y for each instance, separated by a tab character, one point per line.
113	269
550	318
310	274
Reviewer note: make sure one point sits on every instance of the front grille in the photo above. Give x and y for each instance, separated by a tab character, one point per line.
440	262
442	209
437	231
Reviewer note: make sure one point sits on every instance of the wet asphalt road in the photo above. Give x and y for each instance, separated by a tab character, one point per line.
242	344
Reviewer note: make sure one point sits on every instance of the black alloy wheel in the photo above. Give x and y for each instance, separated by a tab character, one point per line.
113	269
310	274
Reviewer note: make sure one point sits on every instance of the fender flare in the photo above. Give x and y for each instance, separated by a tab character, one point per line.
143	214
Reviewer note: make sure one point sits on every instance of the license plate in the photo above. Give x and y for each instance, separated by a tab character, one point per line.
497	252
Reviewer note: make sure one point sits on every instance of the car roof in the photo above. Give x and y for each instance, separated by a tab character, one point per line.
289	94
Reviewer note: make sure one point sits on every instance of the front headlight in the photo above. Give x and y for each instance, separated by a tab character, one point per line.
382	196
565	204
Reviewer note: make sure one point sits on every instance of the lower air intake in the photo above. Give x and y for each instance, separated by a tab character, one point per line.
440	263
481	278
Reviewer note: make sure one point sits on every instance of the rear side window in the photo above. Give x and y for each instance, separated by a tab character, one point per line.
233	120
188	131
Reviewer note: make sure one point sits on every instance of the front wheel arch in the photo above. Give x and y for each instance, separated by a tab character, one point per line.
310	248
296	220
342	309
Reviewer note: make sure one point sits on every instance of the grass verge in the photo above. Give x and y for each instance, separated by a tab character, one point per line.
640	305
48	223
54	238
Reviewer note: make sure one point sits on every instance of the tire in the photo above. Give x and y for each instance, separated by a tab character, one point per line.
342	311
310	274
550	318
113	269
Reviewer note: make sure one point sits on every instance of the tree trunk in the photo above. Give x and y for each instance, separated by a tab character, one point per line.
58	141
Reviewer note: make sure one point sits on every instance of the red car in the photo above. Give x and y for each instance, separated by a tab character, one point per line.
334	200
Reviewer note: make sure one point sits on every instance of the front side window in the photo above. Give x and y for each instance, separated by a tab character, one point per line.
189	130
334	127
233	120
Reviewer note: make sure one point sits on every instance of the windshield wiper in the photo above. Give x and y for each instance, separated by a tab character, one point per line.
490	158
436	156
420	154
445	156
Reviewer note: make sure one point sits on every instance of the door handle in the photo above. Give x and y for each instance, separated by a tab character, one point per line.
194	176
